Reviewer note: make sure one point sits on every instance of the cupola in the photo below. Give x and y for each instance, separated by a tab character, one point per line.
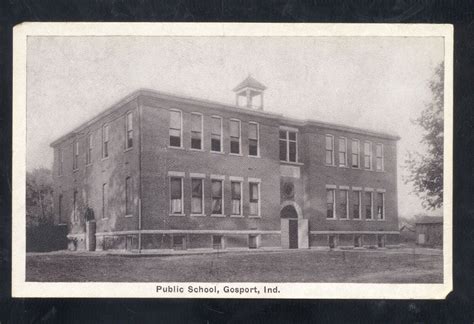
249	93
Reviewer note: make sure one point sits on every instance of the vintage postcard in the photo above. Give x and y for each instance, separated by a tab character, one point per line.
222	160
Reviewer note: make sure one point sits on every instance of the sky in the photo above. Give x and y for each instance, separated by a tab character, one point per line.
375	83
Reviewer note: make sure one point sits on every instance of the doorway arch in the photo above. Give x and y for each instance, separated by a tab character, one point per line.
290	209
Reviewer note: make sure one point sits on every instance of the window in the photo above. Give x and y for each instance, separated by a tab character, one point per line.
330	202
196	131
105	141
89	149
380	205
288	146
60	209
217	197
197	200
104	201
217	242
236	195
254	193
235	137
343	197
60	162
329	150
75	155
368	205
357	240
342	152
379	157
355	153
74	207
176	195
179	242
368	155
128	196
129	130
332	241
175	128
216	134
253	139
356	205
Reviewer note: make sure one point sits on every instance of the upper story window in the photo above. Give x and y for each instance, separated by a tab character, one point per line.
175	128
196	131
234	136
216	134
288	145
342	152
253	139
105	141
129	130
60	162
89	149
329	150
379	157
75	156
368	155
355	160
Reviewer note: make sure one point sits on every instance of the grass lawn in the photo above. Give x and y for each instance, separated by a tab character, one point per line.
281	266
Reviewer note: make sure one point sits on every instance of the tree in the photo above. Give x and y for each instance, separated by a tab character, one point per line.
39	197
425	171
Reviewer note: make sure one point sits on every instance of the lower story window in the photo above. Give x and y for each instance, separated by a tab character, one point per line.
217	242
197	199
253	241
332	241
179	242
330	201
176	201
380	205
357	240
368	205
236	198
356	205
254	193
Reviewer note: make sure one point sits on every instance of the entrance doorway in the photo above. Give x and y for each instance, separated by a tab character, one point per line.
289	221
293	233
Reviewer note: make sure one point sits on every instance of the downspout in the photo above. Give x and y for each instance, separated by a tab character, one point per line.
139	176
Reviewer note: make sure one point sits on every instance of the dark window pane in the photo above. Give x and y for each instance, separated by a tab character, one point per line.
234	146
215	145
283	150
292	136
175	141
282	134
292	152
196	143
253	147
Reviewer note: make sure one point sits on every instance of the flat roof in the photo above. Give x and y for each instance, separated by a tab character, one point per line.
217	105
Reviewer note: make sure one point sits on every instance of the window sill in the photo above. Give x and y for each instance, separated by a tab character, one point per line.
237	216
344	219
380	171
344	166
235	154
198	215
104	219
330	165
128	216
355	168
357	219
105	158
331	219
196	150
75	170
176	147
128	149
254	156
218	215
370	220
255	216
291	163
217	152
179	215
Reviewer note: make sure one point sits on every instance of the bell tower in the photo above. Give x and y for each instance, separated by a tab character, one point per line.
249	94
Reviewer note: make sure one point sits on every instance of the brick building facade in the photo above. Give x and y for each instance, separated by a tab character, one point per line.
158	170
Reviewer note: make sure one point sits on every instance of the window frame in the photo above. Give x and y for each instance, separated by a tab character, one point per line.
346	203
359	202
75	155
201	132
89	140
128	130
105	141
181	144
74	206
240	182
259	202
181	178
333	162
221	135
60	161
202	196
334	215
345	165
128	195
287	141
370	155
382	168
258	139
371	205
240	137
105	198
382	193
354	140
60	209
221	179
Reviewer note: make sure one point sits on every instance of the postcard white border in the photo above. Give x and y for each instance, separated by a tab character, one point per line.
21	288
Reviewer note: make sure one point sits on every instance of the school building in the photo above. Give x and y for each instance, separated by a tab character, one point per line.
162	171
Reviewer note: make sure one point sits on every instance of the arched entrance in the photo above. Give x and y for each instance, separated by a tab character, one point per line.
292	226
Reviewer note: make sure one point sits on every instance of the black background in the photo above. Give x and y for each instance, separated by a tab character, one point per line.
458	307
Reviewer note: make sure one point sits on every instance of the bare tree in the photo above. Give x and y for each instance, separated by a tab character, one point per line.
39	197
